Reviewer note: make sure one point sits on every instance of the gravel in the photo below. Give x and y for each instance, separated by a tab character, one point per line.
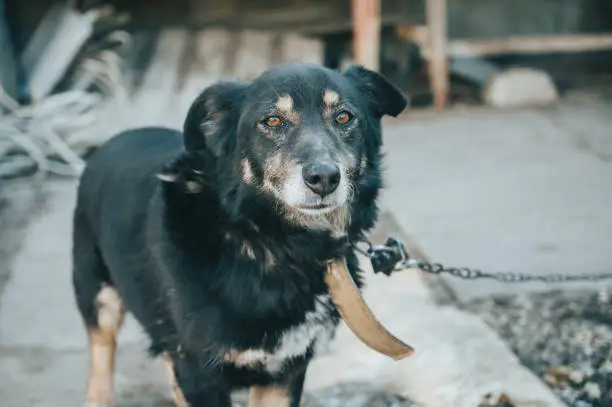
563	337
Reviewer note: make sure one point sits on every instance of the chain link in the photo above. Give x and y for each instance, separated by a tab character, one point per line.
507	277
392	257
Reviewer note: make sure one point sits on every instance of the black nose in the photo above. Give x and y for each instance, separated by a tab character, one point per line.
321	178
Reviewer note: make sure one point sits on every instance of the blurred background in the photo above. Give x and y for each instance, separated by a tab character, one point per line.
503	161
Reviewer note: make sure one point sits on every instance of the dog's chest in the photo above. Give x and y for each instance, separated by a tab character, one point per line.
316	330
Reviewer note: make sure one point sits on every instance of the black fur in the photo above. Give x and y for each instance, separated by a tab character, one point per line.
175	249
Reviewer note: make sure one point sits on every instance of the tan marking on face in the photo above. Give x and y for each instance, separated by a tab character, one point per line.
285	103
247	171
330	97
275	168
102	343
330	100
269	396
285	107
177	393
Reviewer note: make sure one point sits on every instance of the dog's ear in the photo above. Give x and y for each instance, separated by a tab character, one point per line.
211	117
385	97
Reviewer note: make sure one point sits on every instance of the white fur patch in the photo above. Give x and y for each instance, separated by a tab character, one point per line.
318	328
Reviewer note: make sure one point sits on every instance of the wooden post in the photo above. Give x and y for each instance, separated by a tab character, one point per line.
438	62
366	32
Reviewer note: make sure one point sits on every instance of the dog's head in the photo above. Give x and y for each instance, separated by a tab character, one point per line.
299	134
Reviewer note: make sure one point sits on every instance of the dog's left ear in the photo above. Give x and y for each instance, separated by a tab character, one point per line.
211	118
385	97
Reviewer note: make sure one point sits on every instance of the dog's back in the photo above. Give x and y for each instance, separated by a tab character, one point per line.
127	162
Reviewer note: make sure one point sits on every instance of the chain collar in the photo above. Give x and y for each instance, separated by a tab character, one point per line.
392	256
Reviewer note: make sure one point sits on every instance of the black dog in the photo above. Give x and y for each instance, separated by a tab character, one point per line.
216	238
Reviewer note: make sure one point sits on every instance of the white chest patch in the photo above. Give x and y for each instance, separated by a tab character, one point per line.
318	328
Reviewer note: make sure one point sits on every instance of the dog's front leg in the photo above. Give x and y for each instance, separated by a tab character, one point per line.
284	394
200	385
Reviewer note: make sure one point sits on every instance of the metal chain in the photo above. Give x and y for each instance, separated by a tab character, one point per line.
503	277
392	257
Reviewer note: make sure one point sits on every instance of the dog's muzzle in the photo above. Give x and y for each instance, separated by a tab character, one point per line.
315	188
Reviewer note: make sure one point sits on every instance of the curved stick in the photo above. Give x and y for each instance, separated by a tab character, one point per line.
358	316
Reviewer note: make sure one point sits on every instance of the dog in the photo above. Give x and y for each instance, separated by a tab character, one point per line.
216	237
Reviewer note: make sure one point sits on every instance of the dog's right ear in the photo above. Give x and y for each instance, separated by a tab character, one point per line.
212	116
385	97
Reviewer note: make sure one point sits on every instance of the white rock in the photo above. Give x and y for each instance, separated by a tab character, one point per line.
517	87
592	390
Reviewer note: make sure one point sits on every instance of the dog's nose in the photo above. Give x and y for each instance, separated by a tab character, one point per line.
321	178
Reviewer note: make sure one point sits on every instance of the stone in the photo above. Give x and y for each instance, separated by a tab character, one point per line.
517	87
592	390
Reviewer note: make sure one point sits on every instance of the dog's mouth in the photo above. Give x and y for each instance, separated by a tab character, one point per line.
318	209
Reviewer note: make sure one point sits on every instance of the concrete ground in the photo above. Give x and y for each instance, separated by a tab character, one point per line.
524	190
521	191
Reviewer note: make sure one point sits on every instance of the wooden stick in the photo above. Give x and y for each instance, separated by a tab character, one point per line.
366	32
438	63
519	44
358	316
530	45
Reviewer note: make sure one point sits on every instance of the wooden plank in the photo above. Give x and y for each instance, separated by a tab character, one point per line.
366	32
338	26
530	45
515	44
438	62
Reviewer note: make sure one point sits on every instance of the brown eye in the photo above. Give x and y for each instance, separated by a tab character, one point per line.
343	117
273	121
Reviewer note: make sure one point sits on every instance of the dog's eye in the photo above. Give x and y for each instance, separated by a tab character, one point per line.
343	117
273	121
